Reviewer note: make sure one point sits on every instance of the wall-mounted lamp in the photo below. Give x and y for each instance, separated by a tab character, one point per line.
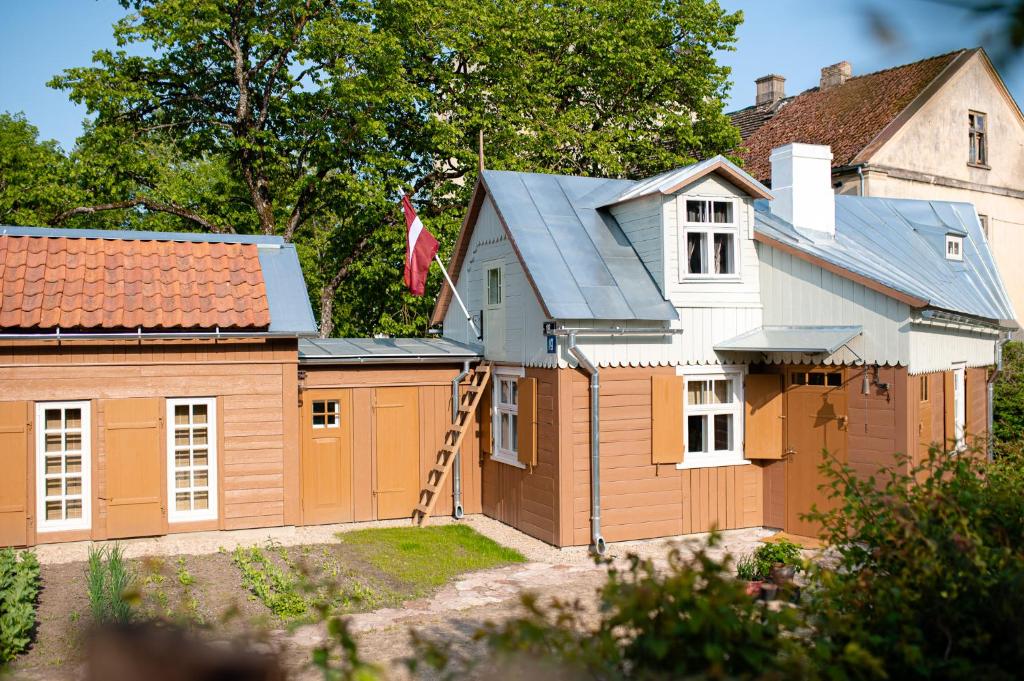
865	385
868	381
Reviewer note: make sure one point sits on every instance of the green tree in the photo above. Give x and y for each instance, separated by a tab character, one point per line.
1008	399
303	117
33	174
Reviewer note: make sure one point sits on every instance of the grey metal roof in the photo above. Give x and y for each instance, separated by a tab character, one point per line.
287	298
823	340
671	180
900	243
385	350
580	261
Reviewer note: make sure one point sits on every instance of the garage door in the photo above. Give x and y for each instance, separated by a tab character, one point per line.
327	456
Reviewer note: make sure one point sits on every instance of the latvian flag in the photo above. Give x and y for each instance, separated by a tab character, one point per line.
421	246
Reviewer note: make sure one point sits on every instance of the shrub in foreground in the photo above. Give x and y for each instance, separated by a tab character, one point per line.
19	589
111	584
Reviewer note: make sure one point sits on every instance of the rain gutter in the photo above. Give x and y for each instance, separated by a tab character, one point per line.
597	542
140	335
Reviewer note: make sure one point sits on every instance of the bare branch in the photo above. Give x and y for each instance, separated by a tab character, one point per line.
148	204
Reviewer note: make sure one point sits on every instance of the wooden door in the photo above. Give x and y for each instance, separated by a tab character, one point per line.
925	417
397	446
816	418
327	456
135	466
13	473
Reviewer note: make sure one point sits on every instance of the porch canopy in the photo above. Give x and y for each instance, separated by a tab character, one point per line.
808	340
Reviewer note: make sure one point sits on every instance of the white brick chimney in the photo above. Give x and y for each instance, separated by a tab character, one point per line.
802	186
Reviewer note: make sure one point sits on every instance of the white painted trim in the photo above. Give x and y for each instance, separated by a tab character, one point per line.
336	414
210	513
710	228
960	405
713	459
85	522
505	456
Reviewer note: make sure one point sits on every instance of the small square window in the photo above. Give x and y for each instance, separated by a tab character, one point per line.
326	413
834	379
954	247
494	286
983	221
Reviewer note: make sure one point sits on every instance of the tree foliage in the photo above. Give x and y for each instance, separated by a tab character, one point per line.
1008	399
302	118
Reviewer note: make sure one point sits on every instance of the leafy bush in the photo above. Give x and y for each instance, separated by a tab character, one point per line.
691	620
19	589
111	584
278	588
783	551
748	568
930	573
1008	398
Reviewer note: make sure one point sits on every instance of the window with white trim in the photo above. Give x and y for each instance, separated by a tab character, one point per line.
192	459
977	137
714	419
326	413
954	247
506	415
64	458
709	243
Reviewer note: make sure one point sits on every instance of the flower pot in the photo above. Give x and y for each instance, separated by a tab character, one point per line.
783	574
769	591
754	588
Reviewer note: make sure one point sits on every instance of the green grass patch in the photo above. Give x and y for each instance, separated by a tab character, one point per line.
424	558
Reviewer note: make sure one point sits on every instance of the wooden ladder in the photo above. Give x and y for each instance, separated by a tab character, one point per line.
452	441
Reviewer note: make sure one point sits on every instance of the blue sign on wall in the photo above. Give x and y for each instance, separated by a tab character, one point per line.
552	345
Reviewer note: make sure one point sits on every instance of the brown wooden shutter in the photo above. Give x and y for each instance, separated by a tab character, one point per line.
527	421
483	417
667	419
950	411
14	451
763	425
135	467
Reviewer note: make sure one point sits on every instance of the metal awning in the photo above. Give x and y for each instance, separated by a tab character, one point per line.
810	340
386	351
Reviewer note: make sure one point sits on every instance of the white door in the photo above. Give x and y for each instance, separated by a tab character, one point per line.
959	407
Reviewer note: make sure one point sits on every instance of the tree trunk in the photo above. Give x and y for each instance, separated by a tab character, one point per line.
327	309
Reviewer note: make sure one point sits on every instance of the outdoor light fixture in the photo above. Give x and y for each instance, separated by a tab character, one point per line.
865	386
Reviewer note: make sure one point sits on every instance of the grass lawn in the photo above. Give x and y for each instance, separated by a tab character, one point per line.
424	558
364	570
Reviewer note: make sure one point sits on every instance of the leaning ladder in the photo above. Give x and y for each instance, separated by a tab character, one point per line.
452	441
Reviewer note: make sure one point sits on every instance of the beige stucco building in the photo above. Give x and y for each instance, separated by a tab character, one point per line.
944	128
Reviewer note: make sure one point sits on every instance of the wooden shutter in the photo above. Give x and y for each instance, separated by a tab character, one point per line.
14	451
527	421
949	434
484	418
135	467
667	419
763	424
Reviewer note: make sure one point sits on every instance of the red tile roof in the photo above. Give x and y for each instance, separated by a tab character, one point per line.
72	283
846	117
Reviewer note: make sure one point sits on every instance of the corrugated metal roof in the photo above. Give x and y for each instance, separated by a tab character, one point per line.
385	350
900	243
823	340
286	297
579	260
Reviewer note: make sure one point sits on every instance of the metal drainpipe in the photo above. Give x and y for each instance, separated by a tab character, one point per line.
860	173
457	511
597	543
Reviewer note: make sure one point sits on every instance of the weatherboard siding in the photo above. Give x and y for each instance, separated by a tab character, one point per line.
797	292
937	347
641	221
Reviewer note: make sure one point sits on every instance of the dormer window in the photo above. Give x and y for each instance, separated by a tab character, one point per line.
954	247
709	239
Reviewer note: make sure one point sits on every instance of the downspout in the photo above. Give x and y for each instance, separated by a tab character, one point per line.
860	174
597	543
457	511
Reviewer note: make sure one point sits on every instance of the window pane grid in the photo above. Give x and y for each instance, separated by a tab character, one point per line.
326	413
506	415
712	412
710	238
62	465
191	463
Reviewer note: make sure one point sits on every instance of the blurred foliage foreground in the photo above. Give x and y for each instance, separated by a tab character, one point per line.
924	579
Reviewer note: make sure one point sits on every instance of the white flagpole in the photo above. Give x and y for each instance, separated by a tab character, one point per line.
455	292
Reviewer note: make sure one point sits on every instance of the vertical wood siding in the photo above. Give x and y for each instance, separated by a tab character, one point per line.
529	499
878	428
247	378
977	408
640	499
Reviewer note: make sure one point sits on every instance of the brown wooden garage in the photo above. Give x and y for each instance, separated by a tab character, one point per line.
374	412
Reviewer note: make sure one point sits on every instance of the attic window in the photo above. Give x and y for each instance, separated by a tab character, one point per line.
709	238
954	247
978	138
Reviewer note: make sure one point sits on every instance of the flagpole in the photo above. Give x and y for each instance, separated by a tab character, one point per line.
455	292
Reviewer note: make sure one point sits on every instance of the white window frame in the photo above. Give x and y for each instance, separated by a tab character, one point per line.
501	454
210	512
328	414
85	522
709	229
960	406
715	458
958	240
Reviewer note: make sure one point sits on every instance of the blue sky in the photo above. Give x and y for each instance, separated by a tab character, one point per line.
39	38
